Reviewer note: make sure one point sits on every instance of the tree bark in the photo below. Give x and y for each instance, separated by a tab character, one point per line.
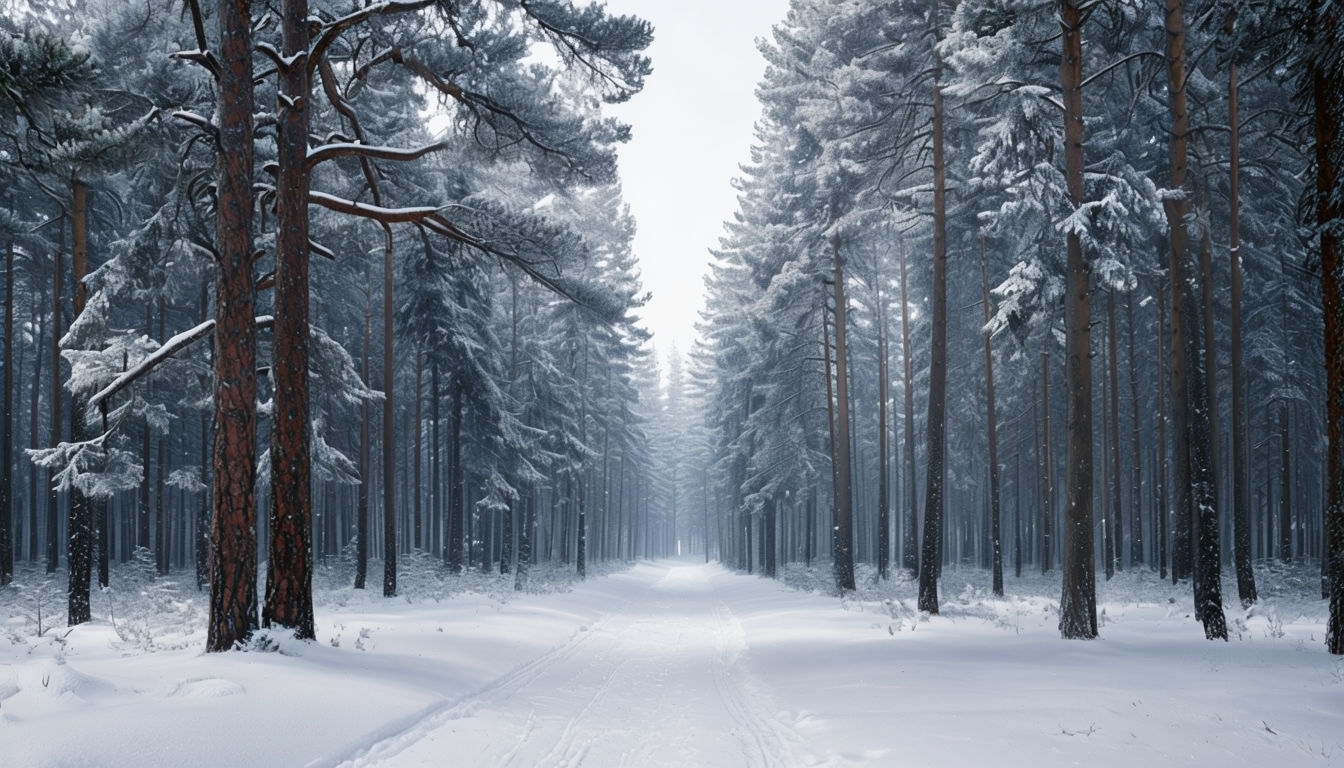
930	566
162	525
1189	394
456	485
1208	562
909	513
436	510
34	422
1177	207
1327	78
1047	470
389	429
1240	465
992	422
526	535
365	454
7	429
1078	604
79	530
143	537
1135	456
289	588
1117	518
233	555
57	316
883	450
844	503
1162	468
417	514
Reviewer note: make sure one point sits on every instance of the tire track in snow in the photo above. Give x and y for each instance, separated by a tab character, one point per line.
390	741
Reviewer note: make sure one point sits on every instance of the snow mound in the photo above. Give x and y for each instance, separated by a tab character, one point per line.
206	688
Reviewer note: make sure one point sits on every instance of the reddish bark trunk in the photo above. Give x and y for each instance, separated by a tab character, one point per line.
233	554
289	599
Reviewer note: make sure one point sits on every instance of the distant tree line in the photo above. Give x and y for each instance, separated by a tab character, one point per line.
1026	284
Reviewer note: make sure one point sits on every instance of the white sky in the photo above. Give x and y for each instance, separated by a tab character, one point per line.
692	127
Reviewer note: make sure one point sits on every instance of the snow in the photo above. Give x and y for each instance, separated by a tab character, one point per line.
676	663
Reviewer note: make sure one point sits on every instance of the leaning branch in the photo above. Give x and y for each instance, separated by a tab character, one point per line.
151	361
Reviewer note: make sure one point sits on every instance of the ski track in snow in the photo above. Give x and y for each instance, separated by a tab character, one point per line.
391	742
766	742
660	681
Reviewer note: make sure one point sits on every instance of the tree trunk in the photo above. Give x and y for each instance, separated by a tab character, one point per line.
436	511
526	535
1078	604
1326	79
883	449
1210	365
1117	518
7	429
34	422
1208	562
289	588
1135	456
143	537
704	498
844	506
456	485
1177	209
991	422
417	514
830	416
233	555
909	514
365	455
162	525
581	546
79	531
1240	465
1161	470
389	429
1017	511
1188	391
1048	470
53	499
930	566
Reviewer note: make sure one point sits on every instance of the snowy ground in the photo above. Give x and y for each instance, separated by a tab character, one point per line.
676	663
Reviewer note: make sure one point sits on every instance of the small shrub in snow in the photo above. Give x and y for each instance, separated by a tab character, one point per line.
146	610
38	604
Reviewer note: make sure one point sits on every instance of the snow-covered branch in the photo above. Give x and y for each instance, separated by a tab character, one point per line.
151	361
353	149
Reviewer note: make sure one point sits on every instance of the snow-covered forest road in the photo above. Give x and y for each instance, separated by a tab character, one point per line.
655	681
678	663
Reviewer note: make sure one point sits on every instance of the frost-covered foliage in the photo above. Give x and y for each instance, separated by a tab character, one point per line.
1002	76
150	612
843	161
839	166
